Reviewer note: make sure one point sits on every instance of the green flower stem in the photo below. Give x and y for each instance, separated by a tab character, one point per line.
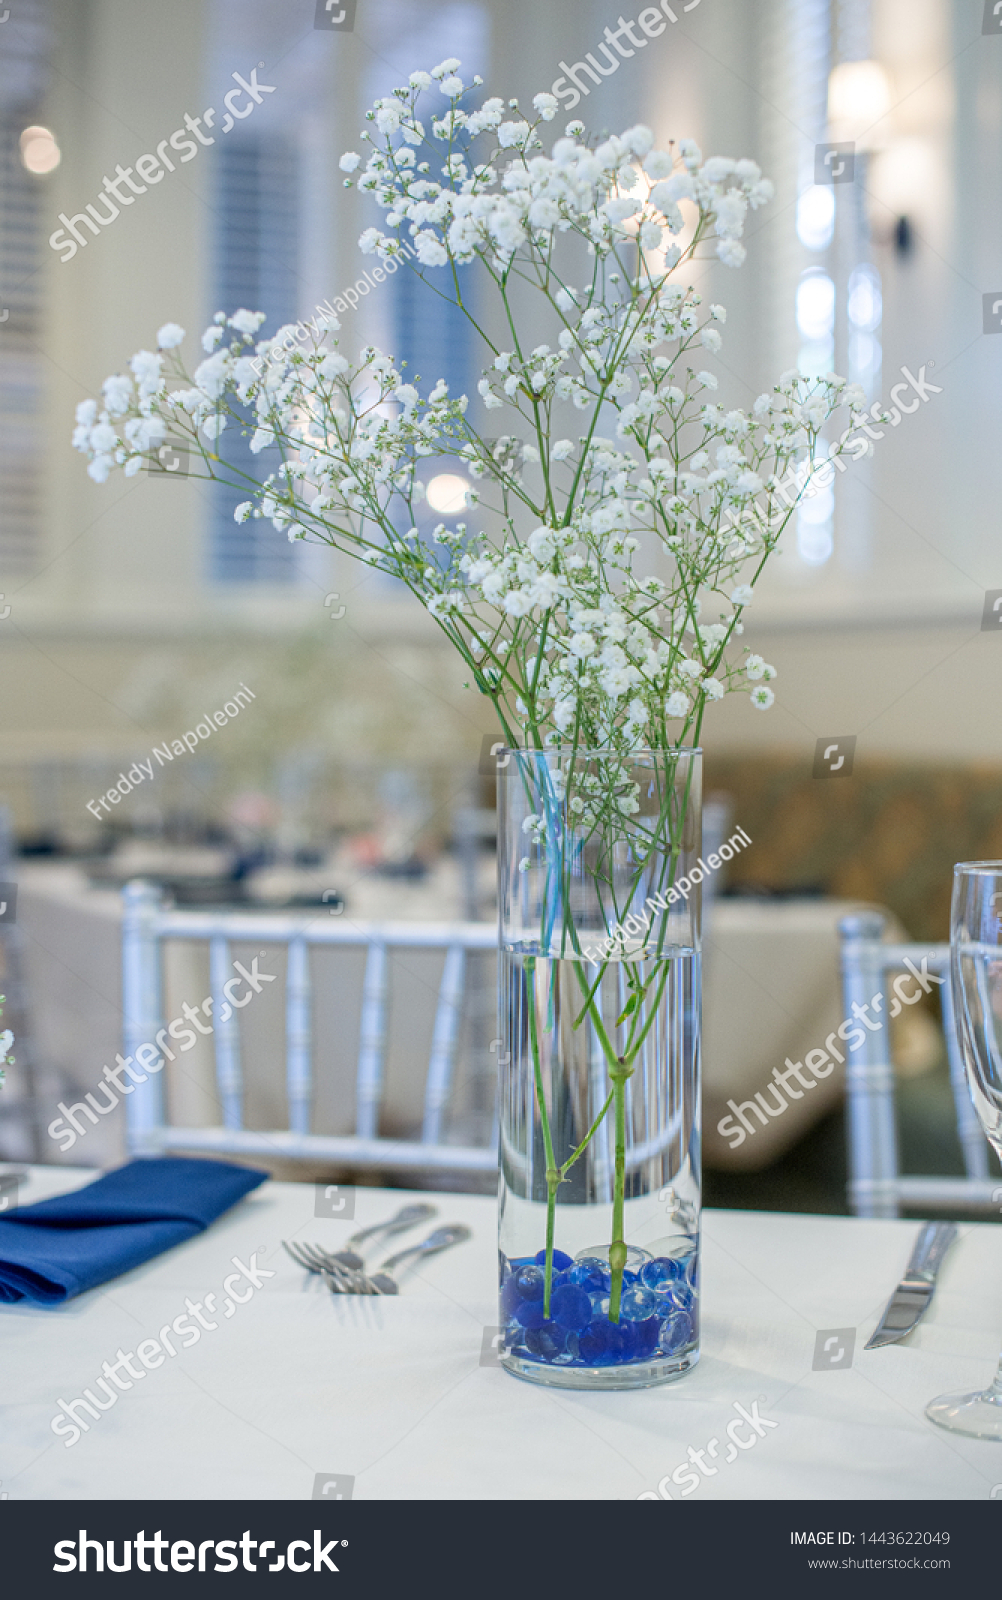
585	1142
617	1249
553	1175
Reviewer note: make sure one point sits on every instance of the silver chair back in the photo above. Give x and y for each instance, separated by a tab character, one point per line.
876	1186
147	924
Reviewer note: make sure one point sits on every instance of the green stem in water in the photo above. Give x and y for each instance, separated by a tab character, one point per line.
553	1173
617	1249
620	1071
586	1141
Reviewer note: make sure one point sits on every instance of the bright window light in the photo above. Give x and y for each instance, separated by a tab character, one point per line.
816	358
816	216
447	493
858	96
815	544
865	355
817	508
815	517
815	305
865	304
39	151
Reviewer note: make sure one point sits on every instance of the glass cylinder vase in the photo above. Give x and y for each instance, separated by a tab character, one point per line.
599	919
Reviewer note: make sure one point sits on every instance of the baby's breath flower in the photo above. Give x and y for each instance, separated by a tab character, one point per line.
573	641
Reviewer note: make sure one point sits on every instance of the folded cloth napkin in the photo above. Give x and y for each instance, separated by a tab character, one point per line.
58	1248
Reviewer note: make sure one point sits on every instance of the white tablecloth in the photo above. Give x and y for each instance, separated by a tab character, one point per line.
391	1393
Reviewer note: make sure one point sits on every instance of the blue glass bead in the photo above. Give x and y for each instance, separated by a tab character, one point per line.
560	1261
530	1282
573	1349
661	1273
530	1313
591	1274
676	1332
630	1277
647	1335
593	1346
682	1297
571	1306
622	1341
638	1304
547	1341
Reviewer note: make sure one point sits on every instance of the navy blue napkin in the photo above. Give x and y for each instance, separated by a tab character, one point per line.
60	1247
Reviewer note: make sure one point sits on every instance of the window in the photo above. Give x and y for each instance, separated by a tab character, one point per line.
23	79
256	267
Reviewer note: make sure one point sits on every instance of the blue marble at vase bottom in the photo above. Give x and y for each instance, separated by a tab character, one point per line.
658	1314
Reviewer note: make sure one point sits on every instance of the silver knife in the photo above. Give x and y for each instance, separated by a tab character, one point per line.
911	1298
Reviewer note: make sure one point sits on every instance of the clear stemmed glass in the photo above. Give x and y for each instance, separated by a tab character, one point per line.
976	973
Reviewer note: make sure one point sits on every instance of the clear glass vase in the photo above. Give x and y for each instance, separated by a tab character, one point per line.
599	895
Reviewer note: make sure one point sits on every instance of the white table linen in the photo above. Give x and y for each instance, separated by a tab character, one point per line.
391	1392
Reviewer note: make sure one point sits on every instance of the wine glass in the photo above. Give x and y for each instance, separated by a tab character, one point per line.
976	975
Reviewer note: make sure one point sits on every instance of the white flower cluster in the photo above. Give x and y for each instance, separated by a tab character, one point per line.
458	204
597	599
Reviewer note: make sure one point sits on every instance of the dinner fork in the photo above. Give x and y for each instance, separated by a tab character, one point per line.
380	1282
315	1259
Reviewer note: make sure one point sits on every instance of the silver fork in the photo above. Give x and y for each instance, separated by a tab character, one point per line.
342	1263
380	1282
316	1260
